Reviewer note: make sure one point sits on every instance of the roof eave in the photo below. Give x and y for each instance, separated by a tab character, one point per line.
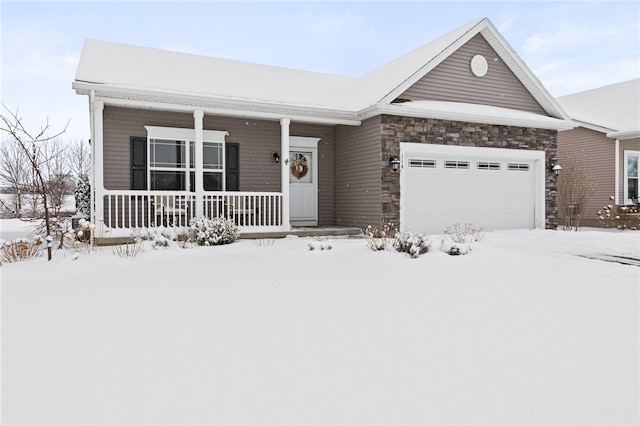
627	134
136	97
539	123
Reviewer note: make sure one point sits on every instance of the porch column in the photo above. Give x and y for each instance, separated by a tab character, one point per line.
284	171
97	216
616	178
198	117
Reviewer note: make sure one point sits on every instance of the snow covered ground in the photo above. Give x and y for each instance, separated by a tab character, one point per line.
523	330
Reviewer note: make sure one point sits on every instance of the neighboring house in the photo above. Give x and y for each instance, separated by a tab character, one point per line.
606	142
459	130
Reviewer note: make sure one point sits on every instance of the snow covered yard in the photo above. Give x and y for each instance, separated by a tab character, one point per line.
520	331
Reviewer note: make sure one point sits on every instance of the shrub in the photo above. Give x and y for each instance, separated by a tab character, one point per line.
21	249
617	216
210	232
129	249
469	234
379	239
457	240
412	244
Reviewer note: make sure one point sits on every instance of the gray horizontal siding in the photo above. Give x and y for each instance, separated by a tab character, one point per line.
358	174
452	80
596	153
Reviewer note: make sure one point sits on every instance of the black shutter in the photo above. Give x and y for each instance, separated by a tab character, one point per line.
232	170
138	163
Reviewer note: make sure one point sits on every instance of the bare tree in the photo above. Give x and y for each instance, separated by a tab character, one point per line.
34	146
14	173
79	158
575	186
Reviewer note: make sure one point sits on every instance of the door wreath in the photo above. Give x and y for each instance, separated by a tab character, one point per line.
299	166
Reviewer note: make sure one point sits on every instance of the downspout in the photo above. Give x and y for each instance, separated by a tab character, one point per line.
92	141
616	197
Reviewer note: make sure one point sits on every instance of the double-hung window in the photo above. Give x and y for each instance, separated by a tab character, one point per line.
173	159
631	161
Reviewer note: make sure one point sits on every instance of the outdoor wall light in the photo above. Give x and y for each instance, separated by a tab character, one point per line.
276	157
556	169
395	163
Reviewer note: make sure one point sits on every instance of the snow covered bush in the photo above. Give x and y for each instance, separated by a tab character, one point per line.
412	244
21	249
621	217
210	232
379	239
457	240
158	238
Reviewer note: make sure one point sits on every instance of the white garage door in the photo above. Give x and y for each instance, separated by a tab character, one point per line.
488	187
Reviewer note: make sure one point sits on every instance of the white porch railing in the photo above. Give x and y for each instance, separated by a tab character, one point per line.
251	211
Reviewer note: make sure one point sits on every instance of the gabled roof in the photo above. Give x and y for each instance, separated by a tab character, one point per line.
612	109
392	79
125	71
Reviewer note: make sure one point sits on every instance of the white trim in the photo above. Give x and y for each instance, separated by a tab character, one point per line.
98	162
616	178
156	132
627	154
284	171
198	120
159	100
405	110
628	134
407	149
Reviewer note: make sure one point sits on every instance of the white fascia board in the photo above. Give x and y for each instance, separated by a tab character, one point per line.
627	134
156	132
522	71
534	122
594	127
132	97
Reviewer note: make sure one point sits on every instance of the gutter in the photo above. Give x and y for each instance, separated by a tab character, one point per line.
405	110
132	97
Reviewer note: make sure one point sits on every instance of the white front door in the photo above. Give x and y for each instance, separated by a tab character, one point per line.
303	185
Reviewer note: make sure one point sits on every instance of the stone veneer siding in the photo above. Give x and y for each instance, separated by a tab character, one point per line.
396	129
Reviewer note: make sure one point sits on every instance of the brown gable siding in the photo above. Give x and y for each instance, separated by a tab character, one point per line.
596	153
453	81
358	176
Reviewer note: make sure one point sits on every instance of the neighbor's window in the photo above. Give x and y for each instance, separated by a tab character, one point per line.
631	175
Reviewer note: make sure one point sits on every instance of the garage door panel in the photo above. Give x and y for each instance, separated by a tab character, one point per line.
498	194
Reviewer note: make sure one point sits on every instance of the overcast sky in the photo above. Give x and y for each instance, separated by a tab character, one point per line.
570	46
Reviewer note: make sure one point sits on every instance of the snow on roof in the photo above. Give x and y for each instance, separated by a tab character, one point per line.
144	68
113	66
615	107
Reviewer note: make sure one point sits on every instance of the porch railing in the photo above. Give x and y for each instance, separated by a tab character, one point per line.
148	209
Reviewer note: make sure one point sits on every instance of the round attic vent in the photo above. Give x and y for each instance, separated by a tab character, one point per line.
479	66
